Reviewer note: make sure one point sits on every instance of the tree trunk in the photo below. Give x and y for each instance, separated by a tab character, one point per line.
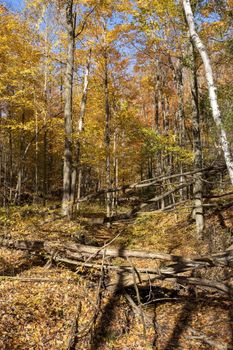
17	199
107	137
77	171
157	95
197	147
211	86
45	143
67	168
178	76
180	93
115	167
165	105
10	165
35	199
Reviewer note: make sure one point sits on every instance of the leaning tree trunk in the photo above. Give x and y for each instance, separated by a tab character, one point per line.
198	212
67	169
211	86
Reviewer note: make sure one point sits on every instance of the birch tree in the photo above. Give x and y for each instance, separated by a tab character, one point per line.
211	87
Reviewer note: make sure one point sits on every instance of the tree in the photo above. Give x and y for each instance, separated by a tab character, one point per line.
211	87
72	34
77	169
67	170
197	148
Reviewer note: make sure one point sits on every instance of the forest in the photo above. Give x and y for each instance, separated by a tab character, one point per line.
116	174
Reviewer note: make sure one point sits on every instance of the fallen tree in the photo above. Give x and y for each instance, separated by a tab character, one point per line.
127	189
80	256
162	196
81	252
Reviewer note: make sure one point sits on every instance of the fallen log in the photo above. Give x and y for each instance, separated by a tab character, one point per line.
75	254
81	252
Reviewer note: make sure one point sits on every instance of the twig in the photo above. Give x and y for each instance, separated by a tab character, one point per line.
37	279
138	299
169	270
101	248
83	25
72	341
201	336
218	195
90	324
134	305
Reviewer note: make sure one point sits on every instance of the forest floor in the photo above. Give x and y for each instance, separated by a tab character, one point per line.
39	303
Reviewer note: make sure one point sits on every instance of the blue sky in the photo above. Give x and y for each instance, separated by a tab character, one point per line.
15	5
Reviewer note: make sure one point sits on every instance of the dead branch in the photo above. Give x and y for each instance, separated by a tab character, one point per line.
103	247
145	183
148	276
90	324
218	195
127	281
197	335
164	195
37	279
121	268
150	182
138	297
71	254
72	341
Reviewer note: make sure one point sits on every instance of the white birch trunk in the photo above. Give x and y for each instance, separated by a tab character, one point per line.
211	86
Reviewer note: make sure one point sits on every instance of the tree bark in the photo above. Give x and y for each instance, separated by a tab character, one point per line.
77	171
45	143
178	76
157	96
67	168
37	153
10	166
211	87
115	168
17	199
107	131
197	147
